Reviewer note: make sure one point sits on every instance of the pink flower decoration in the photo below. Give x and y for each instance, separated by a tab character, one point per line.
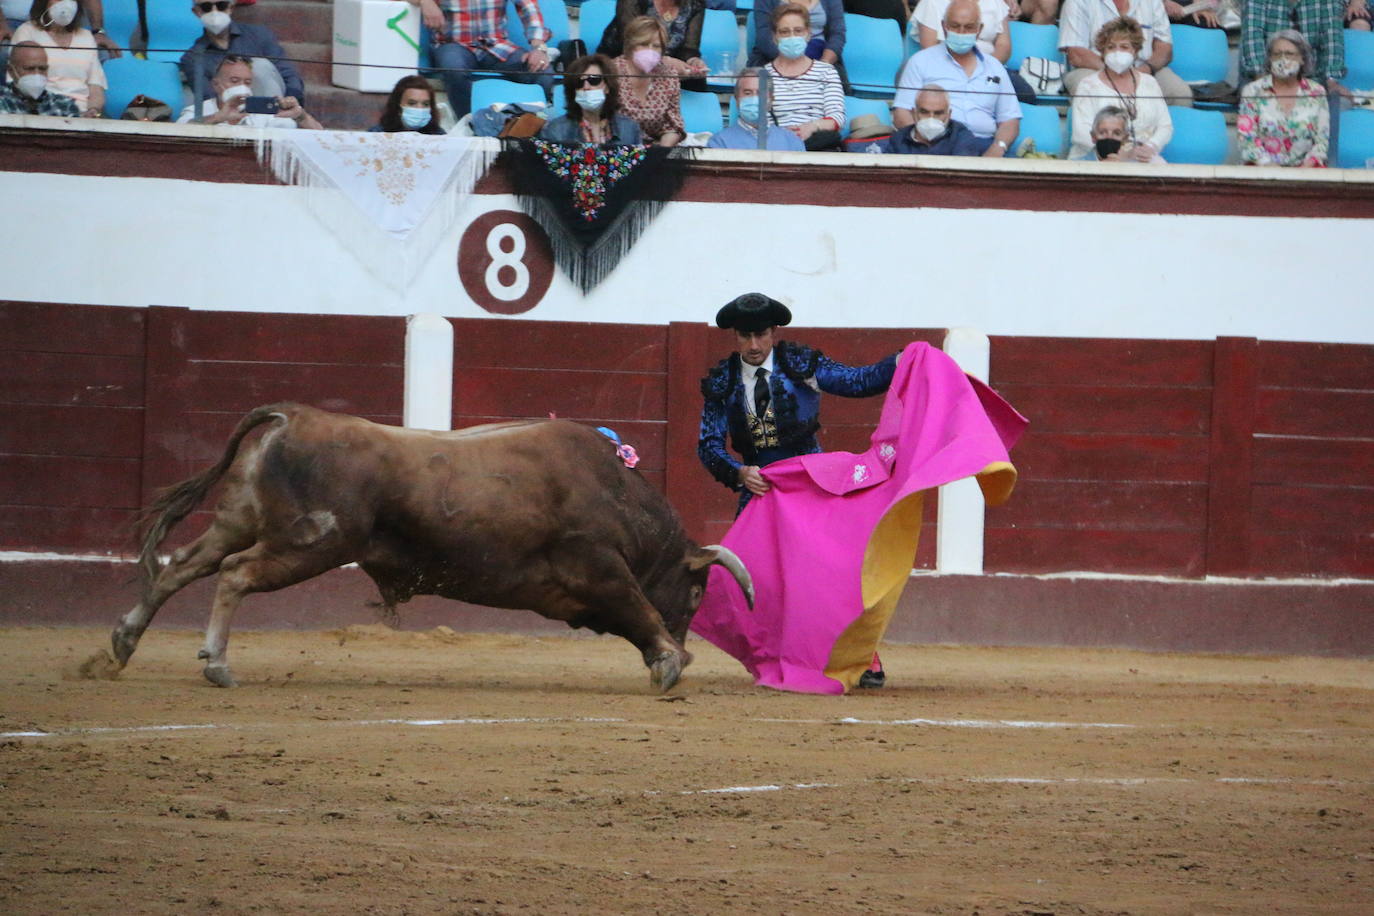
1271	144
627	455
1245	124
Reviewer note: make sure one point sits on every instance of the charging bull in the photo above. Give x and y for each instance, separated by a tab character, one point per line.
540	514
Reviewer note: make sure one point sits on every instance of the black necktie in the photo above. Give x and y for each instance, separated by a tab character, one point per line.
760	392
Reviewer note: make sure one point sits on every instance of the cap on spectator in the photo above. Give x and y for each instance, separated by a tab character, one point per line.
864	126
753	312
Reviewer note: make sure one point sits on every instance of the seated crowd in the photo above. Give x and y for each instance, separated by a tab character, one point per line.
953	96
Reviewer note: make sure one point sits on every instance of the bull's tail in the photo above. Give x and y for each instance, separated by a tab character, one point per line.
179	500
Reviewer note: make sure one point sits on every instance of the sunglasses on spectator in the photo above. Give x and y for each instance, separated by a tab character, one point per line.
591	79
221	5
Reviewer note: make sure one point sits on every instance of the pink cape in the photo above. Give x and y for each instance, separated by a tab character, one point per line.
831	546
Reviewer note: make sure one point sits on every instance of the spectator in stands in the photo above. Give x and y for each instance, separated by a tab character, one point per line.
273	74
1078	28
1148	125
994	38
471	34
15	12
1319	21
743	134
27	91
650	91
73	59
1284	117
1111	140
591	95
232	84
808	98
825	34
411	106
681	21
1205	19
981	97
1040	12
935	132
1359	15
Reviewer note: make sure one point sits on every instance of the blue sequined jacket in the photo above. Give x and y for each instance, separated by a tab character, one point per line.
795	403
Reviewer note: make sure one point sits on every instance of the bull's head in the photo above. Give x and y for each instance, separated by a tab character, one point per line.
678	594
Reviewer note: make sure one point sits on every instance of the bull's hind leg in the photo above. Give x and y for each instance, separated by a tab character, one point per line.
257	569
200	558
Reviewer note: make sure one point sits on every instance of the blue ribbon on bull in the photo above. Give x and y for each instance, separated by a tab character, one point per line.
626	452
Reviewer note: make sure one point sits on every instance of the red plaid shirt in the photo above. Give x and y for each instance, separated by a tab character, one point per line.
481	25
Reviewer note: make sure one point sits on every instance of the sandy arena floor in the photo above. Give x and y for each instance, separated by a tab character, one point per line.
981	780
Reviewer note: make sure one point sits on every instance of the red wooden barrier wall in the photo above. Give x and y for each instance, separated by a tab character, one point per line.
1181	458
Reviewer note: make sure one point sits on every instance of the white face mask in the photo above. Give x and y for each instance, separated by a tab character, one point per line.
1120	61
32	85
62	12
1284	67
234	92
215	21
931	129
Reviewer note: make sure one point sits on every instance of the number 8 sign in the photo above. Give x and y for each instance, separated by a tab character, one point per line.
505	262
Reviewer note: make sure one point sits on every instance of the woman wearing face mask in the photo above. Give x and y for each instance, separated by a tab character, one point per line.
593	103
681	20
807	95
73	60
409	107
650	84
1284	118
1119	84
825	33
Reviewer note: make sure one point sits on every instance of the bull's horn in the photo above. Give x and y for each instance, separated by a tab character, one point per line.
727	558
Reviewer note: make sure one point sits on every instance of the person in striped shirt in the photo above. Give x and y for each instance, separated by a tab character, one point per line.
471	35
807	95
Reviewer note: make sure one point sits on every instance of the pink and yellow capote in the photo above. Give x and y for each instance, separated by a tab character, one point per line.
831	546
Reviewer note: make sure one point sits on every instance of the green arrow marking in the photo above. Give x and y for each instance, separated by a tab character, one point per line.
392	24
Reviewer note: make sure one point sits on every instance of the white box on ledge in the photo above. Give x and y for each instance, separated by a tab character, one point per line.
374	32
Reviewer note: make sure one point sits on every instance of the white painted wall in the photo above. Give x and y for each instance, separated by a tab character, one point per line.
141	241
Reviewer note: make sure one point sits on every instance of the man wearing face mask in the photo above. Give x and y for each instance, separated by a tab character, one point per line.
980	92
743	134
26	92
935	133
273	75
232	84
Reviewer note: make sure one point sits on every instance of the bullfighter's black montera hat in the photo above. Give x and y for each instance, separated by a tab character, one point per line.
753	312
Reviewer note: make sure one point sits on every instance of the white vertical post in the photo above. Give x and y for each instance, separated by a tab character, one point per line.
428	372
959	529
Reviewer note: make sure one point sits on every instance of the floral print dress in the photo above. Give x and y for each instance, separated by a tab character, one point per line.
660	111
1268	135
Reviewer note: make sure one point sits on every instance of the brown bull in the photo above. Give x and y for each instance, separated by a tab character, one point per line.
537	514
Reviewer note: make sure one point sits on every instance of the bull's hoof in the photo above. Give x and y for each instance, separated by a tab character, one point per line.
219	676
665	670
123	642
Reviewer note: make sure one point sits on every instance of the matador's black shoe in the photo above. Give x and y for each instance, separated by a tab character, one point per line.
871	678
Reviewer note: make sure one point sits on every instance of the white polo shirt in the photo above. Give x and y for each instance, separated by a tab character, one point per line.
1079	21
993	13
188	114
980	102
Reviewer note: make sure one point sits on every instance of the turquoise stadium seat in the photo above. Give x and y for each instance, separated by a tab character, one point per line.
128	76
1356	139
172	28
1040	122
719	39
555	14
855	106
701	112
872	55
498	91
1029	40
121	19
1200	55
592	19
1359	59
1199	137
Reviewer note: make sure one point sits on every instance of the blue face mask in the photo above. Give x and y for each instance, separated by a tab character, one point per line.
590	99
749	109
415	118
793	46
960	42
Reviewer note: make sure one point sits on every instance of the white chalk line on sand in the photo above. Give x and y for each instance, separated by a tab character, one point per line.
355	723
1126	781
952	723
